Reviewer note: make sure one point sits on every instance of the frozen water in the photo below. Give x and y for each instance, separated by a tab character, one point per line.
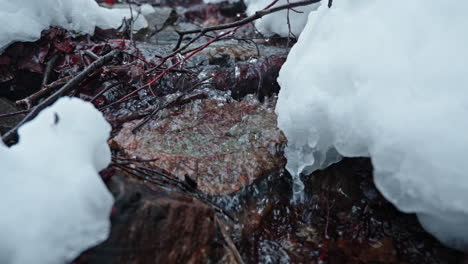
23	20
54	204
386	79
277	23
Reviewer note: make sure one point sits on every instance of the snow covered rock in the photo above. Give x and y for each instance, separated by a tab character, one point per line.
25	19
54	204
386	79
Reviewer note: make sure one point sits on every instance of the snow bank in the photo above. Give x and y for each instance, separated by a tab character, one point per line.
386	79
277	23
23	20
53	202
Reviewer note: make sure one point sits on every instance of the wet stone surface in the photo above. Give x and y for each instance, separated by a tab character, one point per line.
236	67
221	145
151	224
6	123
344	219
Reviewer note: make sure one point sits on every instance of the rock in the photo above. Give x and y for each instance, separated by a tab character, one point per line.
238	67
344	219
6	123
380	251
151	224
223	146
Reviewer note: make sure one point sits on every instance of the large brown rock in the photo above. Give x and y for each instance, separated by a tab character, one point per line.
151	224
223	146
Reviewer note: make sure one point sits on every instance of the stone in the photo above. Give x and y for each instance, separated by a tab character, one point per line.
6	123
222	146
151	224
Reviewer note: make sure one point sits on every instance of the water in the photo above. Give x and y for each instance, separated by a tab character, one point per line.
297	189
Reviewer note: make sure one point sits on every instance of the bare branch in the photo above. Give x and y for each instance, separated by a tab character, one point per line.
257	15
10	135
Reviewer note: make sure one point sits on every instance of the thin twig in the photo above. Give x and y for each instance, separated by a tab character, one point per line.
177	100
161	178
257	15
10	135
30	100
48	70
14	113
91	54
157	78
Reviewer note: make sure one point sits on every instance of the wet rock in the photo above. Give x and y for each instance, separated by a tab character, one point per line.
223	146
6	123
151	224
245	69
241	68
380	251
344	219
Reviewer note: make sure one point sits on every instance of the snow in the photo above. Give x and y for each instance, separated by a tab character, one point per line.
23	20
147	9
54	204
386	79
277	23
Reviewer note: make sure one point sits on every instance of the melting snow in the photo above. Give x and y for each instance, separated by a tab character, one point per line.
386	79
24	20
54	204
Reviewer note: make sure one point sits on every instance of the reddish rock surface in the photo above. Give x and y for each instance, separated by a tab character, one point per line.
221	145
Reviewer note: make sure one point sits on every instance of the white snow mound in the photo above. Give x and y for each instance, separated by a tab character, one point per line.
54	204
386	79
277	23
24	20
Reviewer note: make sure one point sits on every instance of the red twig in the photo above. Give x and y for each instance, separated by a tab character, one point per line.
188	57
271	4
176	64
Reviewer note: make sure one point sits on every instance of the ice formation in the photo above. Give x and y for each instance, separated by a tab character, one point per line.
277	23
24	20
386	79
54	204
